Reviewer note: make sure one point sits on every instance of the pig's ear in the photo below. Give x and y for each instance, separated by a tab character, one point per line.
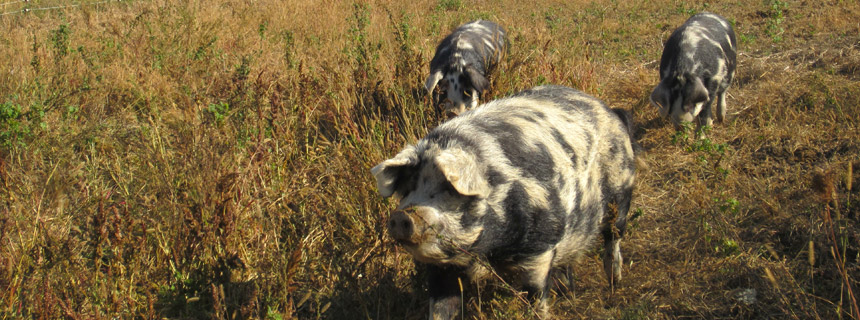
390	173
432	80
476	79
461	170
660	95
695	92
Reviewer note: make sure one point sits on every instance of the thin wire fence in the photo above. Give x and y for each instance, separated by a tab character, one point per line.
27	7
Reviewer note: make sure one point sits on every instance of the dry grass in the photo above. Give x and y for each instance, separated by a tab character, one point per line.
210	160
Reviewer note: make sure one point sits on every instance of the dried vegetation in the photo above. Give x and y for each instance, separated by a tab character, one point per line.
204	159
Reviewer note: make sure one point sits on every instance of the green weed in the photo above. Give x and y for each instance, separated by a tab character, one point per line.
774	28
746	39
289	47
633	219
729	205
728	247
219	111
60	41
12	128
449	5
404	35
552	18
683	134
362	52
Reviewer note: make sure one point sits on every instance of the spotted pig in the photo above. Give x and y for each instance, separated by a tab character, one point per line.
521	184
697	66
464	59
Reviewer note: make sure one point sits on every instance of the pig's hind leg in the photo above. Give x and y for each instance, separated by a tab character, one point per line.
721	107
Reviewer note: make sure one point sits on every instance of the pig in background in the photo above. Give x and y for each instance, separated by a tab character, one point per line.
522	184
696	67
463	59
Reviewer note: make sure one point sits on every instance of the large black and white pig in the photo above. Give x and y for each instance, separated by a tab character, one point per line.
523	184
464	59
697	66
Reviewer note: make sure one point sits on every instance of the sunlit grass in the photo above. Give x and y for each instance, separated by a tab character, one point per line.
211	159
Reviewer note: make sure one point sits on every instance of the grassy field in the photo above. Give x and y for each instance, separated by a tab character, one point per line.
204	159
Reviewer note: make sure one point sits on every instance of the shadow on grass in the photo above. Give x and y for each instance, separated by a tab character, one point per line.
643	128
388	296
209	293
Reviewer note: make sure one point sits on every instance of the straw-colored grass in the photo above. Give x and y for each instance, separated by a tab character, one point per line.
200	159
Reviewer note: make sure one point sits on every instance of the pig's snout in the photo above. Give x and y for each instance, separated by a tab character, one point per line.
401	226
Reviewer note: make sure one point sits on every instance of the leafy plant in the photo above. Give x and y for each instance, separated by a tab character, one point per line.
219	111
728	247
60	40
363	54
683	134
449	5
552	18
408	59
289	47
774	27
11	127
729	205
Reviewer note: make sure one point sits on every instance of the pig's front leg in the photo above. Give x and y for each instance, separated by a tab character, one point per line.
536	280
444	286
